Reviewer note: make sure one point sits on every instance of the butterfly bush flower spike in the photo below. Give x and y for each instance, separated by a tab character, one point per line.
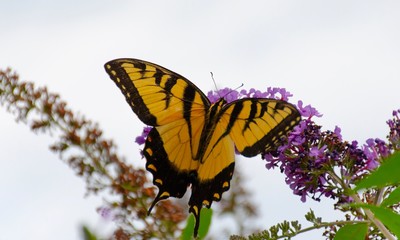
313	160
231	95
394	125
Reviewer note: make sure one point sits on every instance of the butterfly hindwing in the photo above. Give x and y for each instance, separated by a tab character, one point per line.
170	180
213	175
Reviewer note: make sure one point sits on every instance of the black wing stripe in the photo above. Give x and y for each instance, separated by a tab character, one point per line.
237	109
168	86
188	96
158	76
253	112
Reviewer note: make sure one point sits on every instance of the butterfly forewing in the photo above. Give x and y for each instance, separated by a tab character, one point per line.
257	124
157	95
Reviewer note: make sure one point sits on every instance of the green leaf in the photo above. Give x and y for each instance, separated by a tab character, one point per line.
393	198
389	218
205	223
187	232
387	174
356	231
87	234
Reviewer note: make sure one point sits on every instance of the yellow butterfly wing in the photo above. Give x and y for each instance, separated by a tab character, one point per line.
257	124
157	95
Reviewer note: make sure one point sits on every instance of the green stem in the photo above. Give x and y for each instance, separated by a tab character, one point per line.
321	225
373	219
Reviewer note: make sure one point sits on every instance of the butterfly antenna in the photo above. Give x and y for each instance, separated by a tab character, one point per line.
215	84
232	90
241	85
216	88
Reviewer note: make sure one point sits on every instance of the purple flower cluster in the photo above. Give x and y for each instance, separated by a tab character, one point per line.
317	163
231	95
106	213
305	159
394	125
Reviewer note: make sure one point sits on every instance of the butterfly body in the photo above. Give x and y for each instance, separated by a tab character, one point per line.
193	141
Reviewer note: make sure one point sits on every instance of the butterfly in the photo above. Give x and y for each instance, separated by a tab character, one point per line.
193	142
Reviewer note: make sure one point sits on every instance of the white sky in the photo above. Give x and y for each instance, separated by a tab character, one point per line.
343	57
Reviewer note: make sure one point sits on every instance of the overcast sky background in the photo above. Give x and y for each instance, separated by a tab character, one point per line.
342	57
